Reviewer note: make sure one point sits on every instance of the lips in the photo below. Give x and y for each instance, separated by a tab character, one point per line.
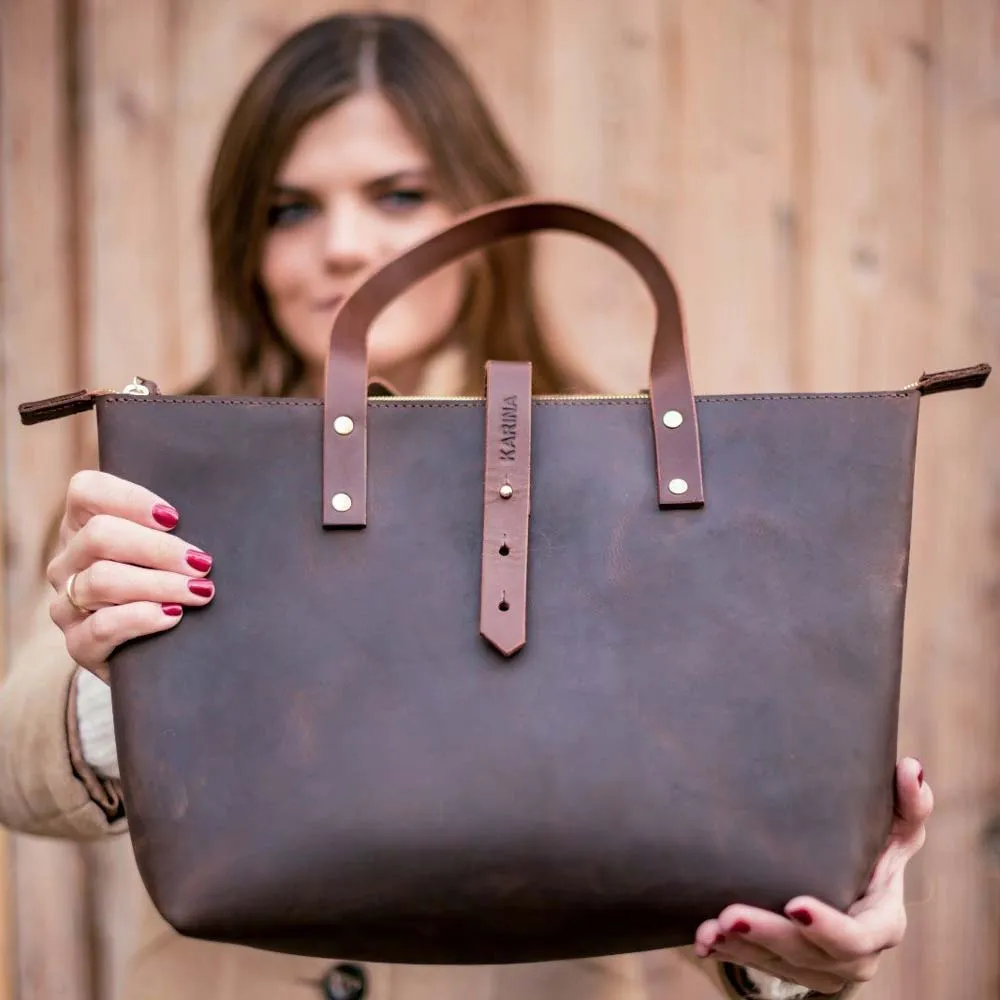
328	304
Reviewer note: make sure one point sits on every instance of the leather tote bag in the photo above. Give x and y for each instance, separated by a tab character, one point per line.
514	678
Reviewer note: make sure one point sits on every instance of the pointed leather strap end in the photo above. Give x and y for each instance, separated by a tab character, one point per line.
506	506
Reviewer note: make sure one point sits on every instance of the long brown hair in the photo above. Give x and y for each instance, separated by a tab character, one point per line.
319	66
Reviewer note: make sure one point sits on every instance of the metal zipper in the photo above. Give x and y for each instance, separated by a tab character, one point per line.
78	402
545	397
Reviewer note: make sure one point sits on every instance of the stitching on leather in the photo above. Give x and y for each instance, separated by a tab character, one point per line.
457	403
209	401
804	395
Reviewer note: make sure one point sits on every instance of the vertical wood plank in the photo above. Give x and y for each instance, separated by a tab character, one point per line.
116	898
132	321
959	625
39	359
735	185
581	284
201	84
7	912
38	304
865	215
53	941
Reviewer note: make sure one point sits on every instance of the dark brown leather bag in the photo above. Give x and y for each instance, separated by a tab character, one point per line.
515	679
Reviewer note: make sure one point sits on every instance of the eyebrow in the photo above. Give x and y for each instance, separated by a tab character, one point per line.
387	180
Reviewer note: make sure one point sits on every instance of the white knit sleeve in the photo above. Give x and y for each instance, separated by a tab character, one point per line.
96	724
771	988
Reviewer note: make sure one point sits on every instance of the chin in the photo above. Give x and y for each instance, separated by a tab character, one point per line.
390	346
387	353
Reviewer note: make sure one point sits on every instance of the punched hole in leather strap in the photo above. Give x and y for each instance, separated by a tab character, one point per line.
506	505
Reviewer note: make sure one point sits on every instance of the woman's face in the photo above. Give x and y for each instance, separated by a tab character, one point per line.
356	190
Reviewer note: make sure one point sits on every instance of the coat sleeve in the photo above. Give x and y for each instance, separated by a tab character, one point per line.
46	787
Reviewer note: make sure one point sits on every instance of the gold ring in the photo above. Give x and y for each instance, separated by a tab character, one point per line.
71	596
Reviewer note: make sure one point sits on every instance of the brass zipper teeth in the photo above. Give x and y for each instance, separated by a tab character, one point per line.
587	395
543	397
548	397
595	397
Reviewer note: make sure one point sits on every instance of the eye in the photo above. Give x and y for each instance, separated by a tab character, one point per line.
403	199
288	214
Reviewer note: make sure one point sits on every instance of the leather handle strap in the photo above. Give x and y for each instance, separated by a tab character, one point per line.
675	421
506	505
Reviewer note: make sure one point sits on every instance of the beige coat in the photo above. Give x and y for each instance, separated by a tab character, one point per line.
46	788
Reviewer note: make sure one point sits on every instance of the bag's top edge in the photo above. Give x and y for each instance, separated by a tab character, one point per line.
478	401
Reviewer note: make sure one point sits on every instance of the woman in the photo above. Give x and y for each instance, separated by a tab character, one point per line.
359	136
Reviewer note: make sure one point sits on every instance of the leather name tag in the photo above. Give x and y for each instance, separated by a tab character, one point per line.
506	505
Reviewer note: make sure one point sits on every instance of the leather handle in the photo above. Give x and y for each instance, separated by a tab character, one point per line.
675	421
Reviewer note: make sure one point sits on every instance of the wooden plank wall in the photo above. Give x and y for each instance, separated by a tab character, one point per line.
48	946
823	177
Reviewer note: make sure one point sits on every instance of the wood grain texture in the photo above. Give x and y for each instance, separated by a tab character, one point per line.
40	357
7	911
957	562
823	178
130	192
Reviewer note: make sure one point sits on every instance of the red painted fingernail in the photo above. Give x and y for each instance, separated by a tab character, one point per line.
165	515
719	939
920	778
202	588
740	927
174	610
201	561
803	917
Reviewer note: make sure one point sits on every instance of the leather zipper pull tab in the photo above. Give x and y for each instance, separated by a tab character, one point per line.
55	407
973	377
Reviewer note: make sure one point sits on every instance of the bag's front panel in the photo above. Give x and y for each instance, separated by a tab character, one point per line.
330	759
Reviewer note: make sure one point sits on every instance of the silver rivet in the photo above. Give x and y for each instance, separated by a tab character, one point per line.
673	418
341	502
506	491
343	425
677	486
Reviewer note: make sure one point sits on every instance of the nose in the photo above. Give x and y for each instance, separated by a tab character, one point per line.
350	242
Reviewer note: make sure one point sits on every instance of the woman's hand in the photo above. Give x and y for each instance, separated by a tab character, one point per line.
815	945
128	576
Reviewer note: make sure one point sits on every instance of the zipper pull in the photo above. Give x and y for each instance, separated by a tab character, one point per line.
141	387
957	378
56	407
